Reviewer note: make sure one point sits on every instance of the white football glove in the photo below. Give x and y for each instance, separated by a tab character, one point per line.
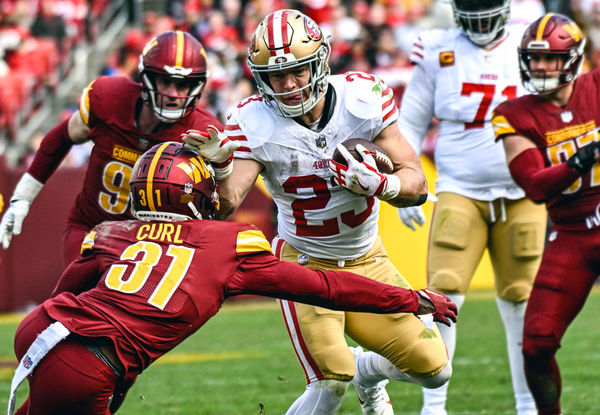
411	214
12	222
363	178
215	146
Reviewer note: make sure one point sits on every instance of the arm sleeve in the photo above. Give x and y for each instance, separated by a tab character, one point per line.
81	275
338	290
416	110
53	149
539	182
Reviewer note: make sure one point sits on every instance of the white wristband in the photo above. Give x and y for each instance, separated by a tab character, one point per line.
223	172
27	189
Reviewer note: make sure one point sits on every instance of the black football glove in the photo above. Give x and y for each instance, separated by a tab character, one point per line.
584	159
442	308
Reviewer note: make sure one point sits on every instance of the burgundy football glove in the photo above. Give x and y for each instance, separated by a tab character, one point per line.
442	308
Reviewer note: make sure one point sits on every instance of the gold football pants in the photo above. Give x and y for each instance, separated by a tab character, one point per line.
317	333
513	231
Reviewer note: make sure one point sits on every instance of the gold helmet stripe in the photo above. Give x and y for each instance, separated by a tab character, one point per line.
540	31
180	49
150	177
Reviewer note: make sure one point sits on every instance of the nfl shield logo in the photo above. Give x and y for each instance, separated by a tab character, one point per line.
27	362
302	259
143	143
566	116
321	142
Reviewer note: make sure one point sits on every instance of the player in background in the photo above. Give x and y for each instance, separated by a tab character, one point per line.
460	76
123	119
327	213
158	279
551	143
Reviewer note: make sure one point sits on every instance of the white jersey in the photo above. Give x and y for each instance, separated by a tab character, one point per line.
460	84
316	216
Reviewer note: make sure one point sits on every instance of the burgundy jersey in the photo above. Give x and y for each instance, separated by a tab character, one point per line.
158	282
559	132
108	106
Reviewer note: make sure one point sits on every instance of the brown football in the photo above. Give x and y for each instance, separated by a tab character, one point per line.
384	164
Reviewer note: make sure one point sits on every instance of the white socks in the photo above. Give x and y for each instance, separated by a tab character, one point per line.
323	397
512	316
434	400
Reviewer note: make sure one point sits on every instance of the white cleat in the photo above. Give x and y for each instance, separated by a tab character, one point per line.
374	400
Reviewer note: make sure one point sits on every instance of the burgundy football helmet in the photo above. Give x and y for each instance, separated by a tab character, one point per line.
557	35
177	55
482	21
170	182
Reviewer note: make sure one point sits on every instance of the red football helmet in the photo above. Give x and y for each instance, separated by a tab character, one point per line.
552	34
170	182
482	21
177	55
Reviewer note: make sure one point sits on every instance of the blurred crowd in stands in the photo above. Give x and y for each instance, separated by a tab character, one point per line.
37	37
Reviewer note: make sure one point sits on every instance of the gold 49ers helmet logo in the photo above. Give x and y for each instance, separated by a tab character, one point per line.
312	29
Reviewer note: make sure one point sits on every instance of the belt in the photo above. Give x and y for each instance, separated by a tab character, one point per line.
104	349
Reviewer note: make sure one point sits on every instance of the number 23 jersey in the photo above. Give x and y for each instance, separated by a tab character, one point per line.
315	215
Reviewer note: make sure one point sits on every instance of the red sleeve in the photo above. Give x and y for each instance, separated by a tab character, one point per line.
81	275
337	290
54	147
539	182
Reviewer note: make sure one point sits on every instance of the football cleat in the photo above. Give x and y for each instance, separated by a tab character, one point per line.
374	400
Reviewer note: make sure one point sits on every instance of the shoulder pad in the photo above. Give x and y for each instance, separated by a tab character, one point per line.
430	43
365	95
251	121
251	240
88	243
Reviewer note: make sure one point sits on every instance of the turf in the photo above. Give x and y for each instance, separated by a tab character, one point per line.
241	363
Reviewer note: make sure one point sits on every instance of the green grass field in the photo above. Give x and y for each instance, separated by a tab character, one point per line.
241	363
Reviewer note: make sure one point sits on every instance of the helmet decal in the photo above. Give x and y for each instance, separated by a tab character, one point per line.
173	183
312	30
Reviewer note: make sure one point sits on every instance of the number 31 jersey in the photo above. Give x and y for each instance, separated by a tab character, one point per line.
461	85
315	215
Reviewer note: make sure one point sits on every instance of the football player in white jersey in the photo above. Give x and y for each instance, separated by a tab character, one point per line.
327	212
460	76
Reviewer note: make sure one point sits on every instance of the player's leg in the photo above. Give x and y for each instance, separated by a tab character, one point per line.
86	383
515	247
563	282
458	238
403	348
317	336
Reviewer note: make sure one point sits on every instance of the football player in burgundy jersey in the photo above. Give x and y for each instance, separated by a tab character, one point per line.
460	75
328	212
158	279
552	150
123	119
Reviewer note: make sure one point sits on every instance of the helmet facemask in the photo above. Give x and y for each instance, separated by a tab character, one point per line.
559	36
317	84
482	21
158	100
177	56
284	40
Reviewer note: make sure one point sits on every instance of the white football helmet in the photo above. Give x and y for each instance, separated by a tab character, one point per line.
482	20
286	39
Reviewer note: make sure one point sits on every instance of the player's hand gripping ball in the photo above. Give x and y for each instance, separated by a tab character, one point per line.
383	162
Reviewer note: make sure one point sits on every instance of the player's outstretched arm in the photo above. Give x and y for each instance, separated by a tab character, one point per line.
339	290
